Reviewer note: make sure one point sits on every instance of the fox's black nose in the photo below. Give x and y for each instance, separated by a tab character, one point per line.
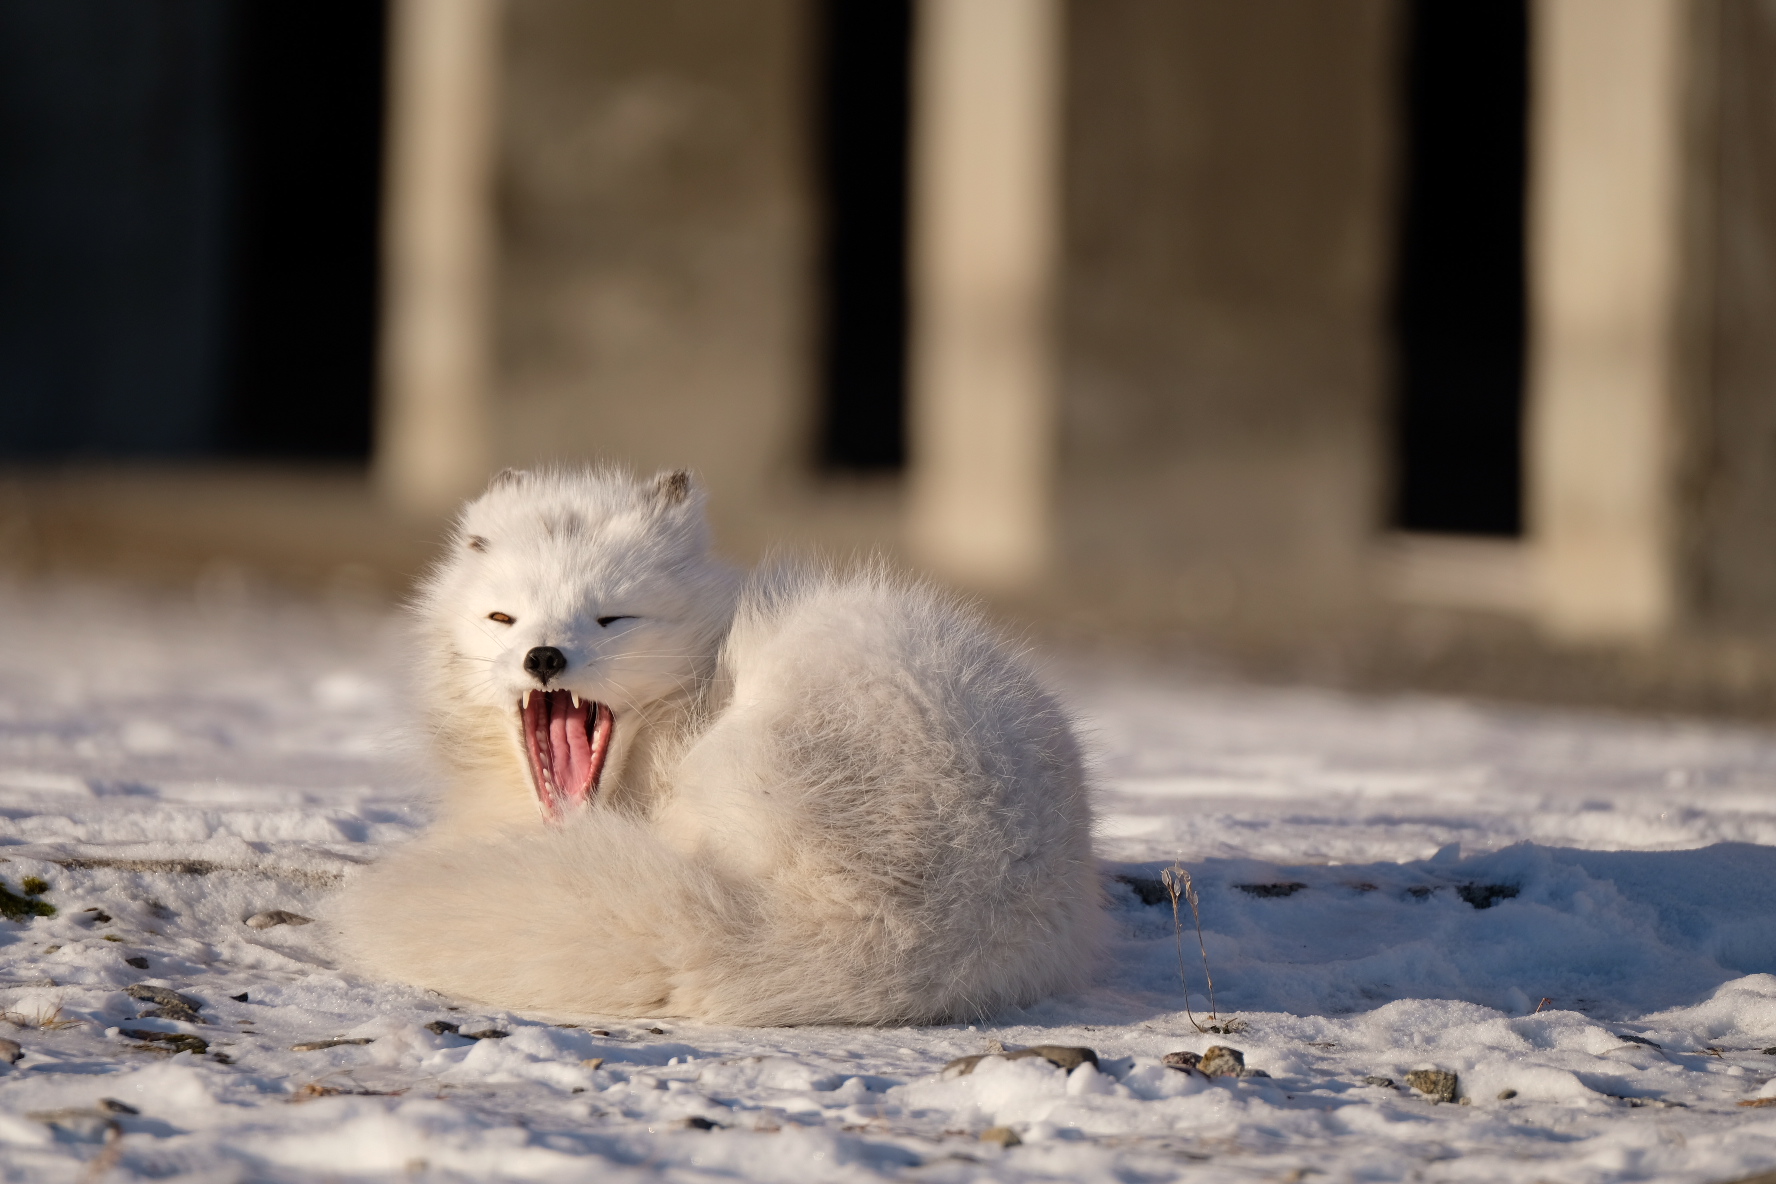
545	661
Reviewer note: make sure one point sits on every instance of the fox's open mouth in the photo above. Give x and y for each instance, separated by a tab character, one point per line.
566	739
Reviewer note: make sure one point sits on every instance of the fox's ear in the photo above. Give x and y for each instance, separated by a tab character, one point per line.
508	477
672	488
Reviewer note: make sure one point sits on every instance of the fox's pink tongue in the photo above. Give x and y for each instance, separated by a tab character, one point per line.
570	748
566	745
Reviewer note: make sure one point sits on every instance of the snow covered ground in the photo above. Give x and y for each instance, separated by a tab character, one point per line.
1386	885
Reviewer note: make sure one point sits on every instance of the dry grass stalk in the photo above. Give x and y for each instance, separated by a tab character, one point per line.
52	1021
1196	915
1180	887
1174	887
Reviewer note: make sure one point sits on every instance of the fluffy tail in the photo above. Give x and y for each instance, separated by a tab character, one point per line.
600	917
604	918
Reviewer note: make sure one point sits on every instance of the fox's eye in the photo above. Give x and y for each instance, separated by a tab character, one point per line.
502	618
606	622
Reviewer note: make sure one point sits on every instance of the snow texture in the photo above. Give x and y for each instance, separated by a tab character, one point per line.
1576	914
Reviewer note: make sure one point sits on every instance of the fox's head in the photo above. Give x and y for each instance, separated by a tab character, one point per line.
573	605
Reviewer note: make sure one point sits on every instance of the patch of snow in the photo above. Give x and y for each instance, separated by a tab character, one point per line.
1574	913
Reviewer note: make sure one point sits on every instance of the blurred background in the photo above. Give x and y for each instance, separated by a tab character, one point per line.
1387	343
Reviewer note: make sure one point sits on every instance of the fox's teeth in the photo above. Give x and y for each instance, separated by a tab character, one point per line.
576	698
526	703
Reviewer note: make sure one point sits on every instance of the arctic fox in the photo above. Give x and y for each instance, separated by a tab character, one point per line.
795	797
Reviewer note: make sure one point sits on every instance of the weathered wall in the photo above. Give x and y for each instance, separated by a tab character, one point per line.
1733	535
653	239
1228	228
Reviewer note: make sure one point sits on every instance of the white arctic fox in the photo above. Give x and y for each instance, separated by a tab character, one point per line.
798	797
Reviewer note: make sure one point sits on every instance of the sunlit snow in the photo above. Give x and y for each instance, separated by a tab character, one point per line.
1576	914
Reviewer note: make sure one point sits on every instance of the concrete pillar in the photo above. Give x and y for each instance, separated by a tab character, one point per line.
1733	537
1228	216
654	288
431	442
985	214
1608	99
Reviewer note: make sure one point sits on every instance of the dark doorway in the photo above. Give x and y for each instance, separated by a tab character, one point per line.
308	118
188	211
865	100
1460	300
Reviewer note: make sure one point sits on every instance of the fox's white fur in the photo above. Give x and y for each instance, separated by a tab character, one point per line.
828	797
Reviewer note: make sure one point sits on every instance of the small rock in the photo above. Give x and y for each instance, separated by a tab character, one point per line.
697	1122
656	1031
1660	1104
274	917
174	1041
1221	1061
318	1045
1484	896
176	1012
139	962
1184	1060
1383	1082
1437	1084
240	998
10	1052
446	1028
599	1032
1506	1095
592	1063
162	996
1002	1136
113	1106
1064	1057
1271	891
96	915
